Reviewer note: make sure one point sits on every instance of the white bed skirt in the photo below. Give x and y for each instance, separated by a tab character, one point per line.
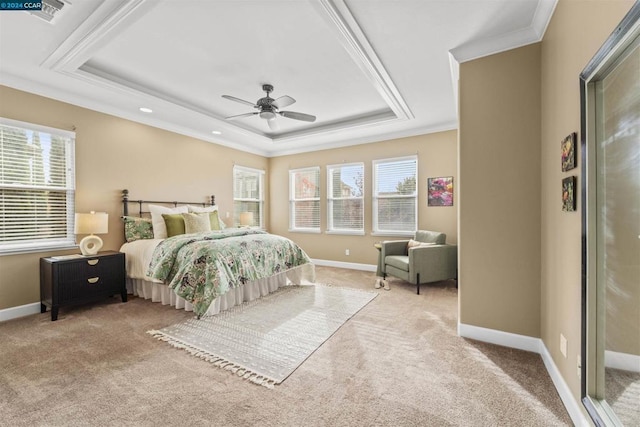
159	292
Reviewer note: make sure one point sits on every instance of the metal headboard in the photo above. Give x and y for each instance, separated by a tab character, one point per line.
126	201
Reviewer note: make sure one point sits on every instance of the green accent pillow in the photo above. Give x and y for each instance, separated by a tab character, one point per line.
137	228
174	223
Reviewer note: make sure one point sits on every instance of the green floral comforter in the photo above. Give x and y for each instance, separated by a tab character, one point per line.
201	267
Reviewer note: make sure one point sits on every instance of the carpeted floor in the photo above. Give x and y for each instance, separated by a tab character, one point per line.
398	362
622	390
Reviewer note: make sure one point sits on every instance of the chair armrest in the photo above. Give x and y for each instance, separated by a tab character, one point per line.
394	247
433	263
391	247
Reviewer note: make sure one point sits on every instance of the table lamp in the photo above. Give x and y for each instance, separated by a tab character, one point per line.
91	223
246	219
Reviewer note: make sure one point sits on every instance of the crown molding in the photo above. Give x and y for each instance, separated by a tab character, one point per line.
378	137
350	123
94	32
533	34
542	17
355	42
492	45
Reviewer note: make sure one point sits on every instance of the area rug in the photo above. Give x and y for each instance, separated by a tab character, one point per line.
265	340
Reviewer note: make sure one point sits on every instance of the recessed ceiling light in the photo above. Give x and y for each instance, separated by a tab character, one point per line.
216	132
146	110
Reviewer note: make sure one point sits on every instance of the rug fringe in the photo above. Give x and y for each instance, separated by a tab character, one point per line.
217	361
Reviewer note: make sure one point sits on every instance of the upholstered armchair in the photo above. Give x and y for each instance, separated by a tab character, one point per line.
427	259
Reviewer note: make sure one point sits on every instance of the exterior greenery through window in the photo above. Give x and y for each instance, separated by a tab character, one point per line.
37	187
345	198
304	200
395	196
248	194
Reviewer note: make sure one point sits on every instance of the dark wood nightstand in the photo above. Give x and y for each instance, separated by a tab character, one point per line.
68	280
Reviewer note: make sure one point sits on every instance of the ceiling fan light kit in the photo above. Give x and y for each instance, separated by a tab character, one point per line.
267	115
269	108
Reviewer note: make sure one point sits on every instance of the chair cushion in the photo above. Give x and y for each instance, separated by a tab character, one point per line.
401	262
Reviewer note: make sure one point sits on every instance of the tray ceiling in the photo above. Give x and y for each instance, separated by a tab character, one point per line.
367	70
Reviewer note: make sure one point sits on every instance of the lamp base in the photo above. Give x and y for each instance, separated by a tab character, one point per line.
90	245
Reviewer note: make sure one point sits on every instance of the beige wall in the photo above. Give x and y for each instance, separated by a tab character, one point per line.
113	154
500	192
575	33
437	155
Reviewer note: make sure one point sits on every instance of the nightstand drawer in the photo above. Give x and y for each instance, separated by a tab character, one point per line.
88	277
85	287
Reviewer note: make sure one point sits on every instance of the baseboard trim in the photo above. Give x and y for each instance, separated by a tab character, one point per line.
624	361
507	339
573	407
349	265
19	311
536	345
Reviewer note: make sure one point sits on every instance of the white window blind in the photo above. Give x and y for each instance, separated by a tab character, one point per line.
37	187
304	200
248	194
345	198
395	196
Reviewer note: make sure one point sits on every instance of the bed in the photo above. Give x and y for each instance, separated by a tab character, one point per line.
209	270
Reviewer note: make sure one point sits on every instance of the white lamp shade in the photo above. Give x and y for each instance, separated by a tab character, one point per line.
246	218
92	223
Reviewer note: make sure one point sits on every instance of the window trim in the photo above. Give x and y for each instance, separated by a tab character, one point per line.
330	199
292	202
53	244
374	202
260	200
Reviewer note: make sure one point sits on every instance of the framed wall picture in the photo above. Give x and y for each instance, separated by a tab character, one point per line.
440	191
569	194
569	152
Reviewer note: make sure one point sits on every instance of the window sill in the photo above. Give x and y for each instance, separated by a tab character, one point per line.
346	232
302	230
394	234
27	250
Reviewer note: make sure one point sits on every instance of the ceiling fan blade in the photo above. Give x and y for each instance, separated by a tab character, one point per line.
298	116
273	124
239	116
283	101
242	101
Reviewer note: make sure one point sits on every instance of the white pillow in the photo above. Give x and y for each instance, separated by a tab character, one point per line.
159	227
200	209
415	244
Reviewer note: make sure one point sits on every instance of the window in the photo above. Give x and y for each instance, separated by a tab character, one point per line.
395	204
37	187
248	194
345	198
304	200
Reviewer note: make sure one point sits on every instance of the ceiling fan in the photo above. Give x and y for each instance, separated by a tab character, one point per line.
269	108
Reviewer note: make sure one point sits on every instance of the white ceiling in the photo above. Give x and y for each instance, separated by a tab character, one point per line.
368	70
